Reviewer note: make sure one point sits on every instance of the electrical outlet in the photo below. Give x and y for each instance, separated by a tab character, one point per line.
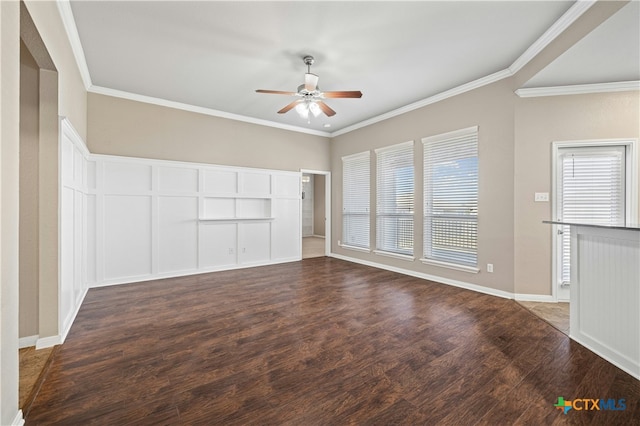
489	267
541	197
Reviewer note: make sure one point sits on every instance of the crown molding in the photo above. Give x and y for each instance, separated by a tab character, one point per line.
201	110
578	89
69	23
569	17
492	78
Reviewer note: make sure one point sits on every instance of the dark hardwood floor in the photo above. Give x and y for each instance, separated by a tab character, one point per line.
318	342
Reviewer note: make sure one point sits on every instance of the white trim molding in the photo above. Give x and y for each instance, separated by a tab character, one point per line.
579	89
475	84
69	23
448	265
569	17
201	110
434	278
27	341
547	298
47	342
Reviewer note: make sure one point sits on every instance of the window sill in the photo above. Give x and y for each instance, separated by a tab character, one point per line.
463	268
354	248
395	255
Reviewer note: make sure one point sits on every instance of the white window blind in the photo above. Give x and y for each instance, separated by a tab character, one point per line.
355	200
591	190
451	197
395	199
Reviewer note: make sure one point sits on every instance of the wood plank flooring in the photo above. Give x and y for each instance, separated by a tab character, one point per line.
318	342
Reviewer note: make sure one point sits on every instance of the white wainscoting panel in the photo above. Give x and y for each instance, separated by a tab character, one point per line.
177	233
76	230
286	186
255	183
177	179
126	177
127	236
286	239
254	242
218	245
220	181
156	218
91	275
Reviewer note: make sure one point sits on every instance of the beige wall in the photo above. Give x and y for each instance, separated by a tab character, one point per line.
539	122
29	151
319	204
124	127
71	103
9	178
72	99
492	109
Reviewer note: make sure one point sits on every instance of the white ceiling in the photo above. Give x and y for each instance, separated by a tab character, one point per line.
610	53
215	54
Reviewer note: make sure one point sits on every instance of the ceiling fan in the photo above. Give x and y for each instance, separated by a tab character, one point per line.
311	97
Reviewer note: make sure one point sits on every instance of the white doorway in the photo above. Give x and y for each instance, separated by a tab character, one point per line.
594	183
315	213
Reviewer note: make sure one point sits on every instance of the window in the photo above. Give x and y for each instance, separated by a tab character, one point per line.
591	189
451	199
395	199
355	200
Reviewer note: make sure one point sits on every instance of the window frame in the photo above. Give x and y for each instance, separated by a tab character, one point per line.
427	256
382	213
348	243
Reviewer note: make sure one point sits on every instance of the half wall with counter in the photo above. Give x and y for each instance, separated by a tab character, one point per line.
605	292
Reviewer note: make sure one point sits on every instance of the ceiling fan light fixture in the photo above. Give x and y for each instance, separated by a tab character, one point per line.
310	96
303	110
315	109
310	82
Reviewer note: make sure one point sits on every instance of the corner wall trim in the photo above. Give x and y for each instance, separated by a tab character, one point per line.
434	278
579	89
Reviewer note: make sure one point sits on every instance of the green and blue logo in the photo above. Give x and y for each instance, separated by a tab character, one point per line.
590	404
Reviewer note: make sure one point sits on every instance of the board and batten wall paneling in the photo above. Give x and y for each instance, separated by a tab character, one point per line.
162	218
77	230
177	233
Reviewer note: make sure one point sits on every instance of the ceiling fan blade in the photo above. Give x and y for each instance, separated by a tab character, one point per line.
343	94
276	92
325	108
310	82
289	107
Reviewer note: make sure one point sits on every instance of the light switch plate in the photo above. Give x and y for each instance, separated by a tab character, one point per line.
542	197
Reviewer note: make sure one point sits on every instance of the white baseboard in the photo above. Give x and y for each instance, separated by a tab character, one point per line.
72	317
48	342
535	298
152	277
27	341
18	420
318	236
441	280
